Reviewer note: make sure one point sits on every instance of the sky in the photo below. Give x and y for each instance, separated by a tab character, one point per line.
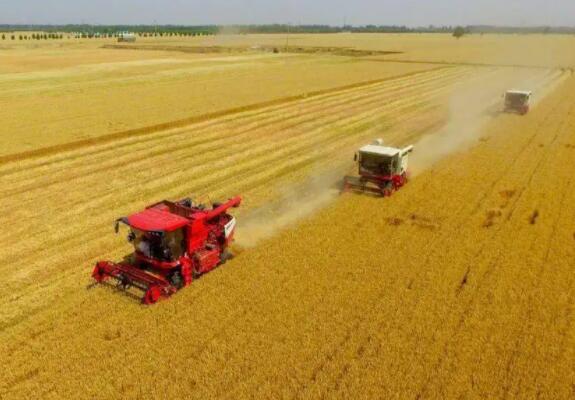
331	12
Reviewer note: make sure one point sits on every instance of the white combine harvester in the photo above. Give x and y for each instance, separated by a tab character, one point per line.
126	37
517	101
382	170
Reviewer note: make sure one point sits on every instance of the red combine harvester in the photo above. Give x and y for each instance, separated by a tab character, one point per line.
382	170
174	242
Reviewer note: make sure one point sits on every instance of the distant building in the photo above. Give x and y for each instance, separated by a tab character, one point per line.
126	37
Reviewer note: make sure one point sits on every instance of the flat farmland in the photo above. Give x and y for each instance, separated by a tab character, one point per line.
460	285
56	95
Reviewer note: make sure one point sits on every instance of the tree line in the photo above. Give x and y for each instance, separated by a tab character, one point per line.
91	35
33	36
93	31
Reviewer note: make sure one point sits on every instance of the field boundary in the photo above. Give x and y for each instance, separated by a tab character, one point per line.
336	51
181	123
470	64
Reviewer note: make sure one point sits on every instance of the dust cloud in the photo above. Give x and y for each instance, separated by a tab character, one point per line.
472	105
294	203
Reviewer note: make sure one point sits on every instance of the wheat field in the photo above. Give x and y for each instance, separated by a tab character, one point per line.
460	285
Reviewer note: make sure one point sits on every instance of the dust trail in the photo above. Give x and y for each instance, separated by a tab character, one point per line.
471	106
294	203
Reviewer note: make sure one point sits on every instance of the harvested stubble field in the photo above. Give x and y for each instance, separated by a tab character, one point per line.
52	96
459	286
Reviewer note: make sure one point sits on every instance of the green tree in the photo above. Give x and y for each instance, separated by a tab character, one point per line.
459	32
3	37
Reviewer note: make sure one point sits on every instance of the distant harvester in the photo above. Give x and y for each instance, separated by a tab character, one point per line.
126	37
517	101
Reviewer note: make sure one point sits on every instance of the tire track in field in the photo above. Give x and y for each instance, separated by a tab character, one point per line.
563	129
264	117
212	143
83	237
209	146
20	203
520	335
180	146
433	249
98	234
432	245
305	147
84	260
489	240
59	245
181	123
87	334
56	260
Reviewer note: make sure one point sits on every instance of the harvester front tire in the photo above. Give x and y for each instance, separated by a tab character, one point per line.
152	295
388	189
225	256
177	280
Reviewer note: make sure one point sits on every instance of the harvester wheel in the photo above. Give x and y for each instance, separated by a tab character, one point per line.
388	189
152	295
98	274
225	256
177	280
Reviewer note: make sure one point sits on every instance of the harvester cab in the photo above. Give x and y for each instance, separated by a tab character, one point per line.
174	242
517	101
382	169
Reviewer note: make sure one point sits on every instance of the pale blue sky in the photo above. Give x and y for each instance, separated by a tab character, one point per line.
194	12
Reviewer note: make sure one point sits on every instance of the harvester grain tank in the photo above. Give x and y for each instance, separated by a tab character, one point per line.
382	169
174	242
517	101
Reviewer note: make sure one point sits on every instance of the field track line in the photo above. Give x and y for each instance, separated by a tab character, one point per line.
466	64
74	246
90	169
249	122
196	119
296	141
467	216
483	274
333	51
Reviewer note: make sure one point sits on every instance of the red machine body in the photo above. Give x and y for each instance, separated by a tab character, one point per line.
174	242
383	185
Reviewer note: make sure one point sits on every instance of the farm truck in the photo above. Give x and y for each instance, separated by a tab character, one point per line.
174	242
